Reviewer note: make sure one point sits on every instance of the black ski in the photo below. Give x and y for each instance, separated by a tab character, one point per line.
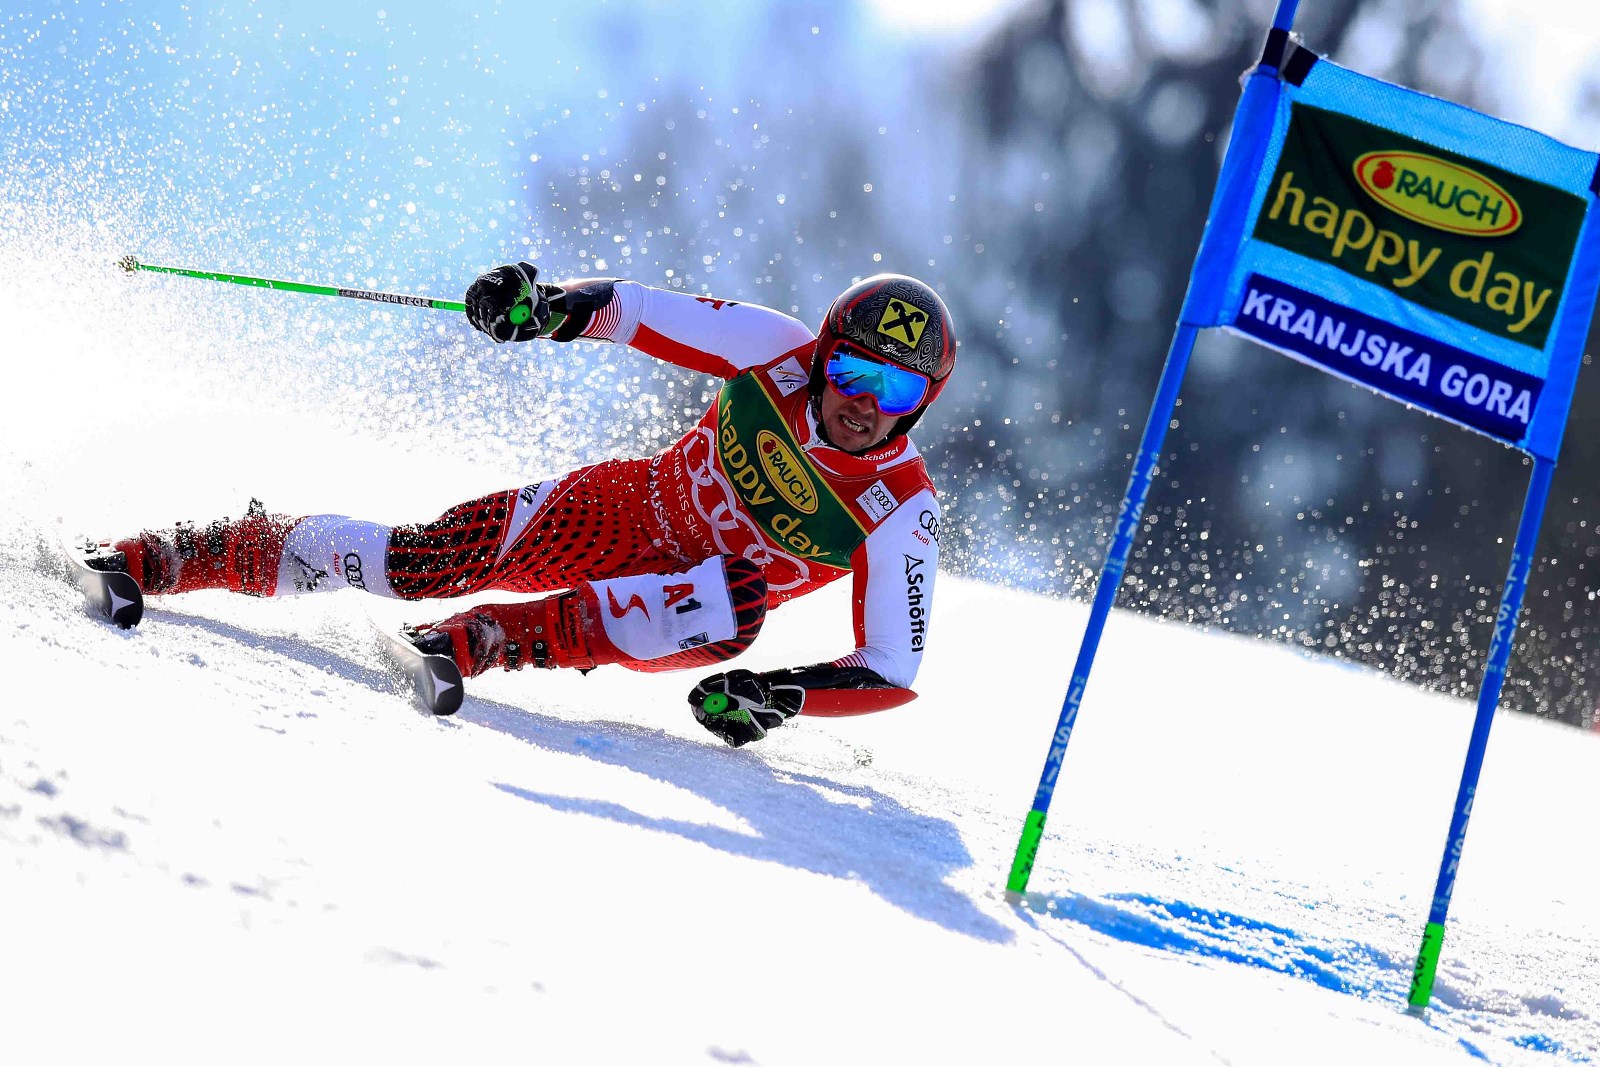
434	680
98	571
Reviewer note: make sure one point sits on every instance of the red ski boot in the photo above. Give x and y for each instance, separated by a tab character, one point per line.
557	631
241	555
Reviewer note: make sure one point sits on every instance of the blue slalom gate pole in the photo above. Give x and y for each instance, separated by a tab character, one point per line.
1222	226
1144	468
1494	676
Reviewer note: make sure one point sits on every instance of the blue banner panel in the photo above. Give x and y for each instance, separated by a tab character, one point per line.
1475	392
1411	220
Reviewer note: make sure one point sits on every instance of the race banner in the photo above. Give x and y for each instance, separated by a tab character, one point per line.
1439	256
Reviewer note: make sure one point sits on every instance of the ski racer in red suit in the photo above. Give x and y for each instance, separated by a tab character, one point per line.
799	473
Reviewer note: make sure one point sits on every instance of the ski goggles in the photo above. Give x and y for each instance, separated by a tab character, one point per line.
897	390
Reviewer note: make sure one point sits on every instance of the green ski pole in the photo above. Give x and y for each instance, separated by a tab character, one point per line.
131	264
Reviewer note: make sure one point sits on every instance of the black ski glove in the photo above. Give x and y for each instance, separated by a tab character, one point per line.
508	304
741	706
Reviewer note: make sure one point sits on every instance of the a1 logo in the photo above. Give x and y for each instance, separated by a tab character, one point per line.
681	598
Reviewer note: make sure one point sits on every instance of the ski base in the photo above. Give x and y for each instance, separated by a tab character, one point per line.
111	593
435	681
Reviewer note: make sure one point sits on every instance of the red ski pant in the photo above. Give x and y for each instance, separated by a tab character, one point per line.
592	525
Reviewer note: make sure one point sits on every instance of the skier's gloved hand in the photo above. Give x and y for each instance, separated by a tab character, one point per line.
508	303
741	706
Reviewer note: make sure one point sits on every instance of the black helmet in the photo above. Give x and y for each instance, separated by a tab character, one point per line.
897	319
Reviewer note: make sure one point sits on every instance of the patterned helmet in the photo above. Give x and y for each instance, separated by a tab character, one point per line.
897	319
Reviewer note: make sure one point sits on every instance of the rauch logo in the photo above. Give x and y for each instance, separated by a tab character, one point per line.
1445	196
785	472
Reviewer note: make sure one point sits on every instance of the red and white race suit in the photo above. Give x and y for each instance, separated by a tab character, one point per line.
754	478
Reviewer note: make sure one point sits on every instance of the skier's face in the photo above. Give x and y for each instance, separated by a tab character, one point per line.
854	423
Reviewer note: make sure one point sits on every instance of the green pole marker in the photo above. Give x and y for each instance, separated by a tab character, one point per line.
1427	965
1027	849
131	264
714	703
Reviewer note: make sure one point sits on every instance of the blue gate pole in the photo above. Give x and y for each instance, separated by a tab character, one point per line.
1494	676
1144	468
1223	226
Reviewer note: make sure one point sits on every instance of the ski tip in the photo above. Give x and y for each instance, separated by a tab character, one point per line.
124	603
100	575
446	688
434	680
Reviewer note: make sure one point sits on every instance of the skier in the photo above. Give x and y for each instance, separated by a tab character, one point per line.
800	472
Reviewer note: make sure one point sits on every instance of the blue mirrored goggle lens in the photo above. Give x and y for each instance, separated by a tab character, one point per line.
897	390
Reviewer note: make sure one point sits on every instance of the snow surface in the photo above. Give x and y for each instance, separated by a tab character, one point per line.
224	837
